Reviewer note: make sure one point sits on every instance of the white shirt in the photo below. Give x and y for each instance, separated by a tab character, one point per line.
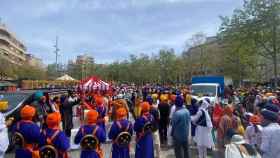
252	137
270	141
232	151
4	139
172	110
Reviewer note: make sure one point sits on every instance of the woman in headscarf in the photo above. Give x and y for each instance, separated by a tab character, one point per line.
203	136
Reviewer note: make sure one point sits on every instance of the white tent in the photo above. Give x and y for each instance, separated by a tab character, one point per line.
94	83
66	78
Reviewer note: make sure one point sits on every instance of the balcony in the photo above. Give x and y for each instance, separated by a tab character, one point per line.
13	42
12	53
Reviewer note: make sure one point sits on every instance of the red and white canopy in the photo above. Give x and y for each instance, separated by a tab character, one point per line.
93	84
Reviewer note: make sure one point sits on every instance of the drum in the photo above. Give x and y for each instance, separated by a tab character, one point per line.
18	139
89	142
48	151
148	127
123	139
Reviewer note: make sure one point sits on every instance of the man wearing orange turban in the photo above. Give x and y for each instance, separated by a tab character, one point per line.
29	130
144	146
253	133
101	109
119	126
54	136
91	128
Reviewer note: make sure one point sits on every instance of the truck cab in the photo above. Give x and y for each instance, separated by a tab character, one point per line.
211	87
211	91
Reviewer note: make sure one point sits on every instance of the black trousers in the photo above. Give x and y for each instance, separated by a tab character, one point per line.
163	132
181	149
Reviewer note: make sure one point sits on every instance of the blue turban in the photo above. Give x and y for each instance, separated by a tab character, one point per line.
38	95
269	115
179	101
271	107
178	92
149	99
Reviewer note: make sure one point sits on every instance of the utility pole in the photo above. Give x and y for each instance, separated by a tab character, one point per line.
56	53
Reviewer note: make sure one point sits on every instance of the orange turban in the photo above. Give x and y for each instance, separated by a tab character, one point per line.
145	107
27	112
92	116
228	111
255	119
53	119
99	100
121	112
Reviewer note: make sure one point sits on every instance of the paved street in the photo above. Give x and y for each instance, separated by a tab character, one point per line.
75	150
166	153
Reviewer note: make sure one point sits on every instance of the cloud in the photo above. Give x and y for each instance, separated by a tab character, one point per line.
110	29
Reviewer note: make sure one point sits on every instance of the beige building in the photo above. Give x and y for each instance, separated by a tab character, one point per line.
84	59
34	61
14	50
11	48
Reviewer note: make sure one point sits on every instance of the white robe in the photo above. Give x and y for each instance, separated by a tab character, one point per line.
232	151
203	135
4	139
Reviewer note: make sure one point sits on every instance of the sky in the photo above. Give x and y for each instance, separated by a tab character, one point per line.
110	30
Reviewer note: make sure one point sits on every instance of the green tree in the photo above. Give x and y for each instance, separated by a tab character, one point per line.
257	24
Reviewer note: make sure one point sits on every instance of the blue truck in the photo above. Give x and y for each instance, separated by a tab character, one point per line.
211	87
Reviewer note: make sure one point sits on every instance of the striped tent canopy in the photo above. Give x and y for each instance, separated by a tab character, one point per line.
93	84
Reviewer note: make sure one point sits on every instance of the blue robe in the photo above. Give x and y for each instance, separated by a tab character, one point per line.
117	151
31	133
88	129
144	142
101	114
60	142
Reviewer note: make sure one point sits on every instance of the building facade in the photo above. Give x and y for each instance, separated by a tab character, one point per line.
11	48
34	61
15	51
84	59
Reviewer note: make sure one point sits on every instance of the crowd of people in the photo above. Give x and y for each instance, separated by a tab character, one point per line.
245	125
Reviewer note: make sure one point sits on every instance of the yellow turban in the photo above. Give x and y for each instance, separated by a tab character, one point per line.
163	98
3	105
154	96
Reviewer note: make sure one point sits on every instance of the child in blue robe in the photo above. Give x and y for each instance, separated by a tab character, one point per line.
144	141
91	128
118	126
